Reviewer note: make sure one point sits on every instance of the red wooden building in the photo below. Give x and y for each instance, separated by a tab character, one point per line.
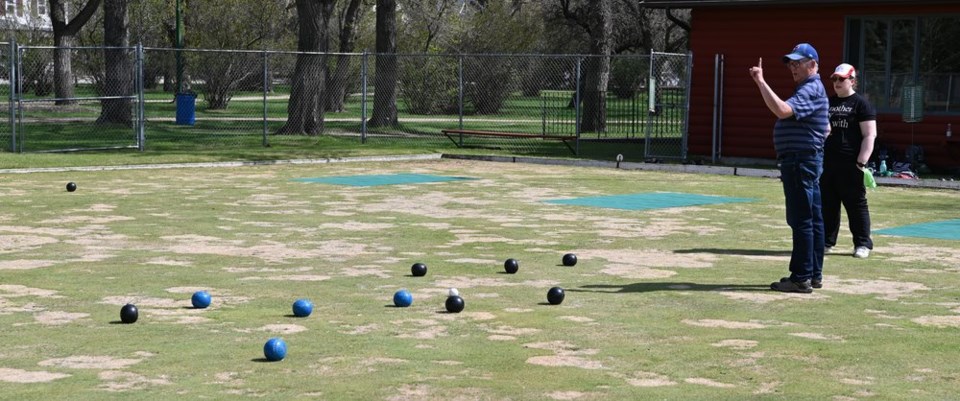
893	44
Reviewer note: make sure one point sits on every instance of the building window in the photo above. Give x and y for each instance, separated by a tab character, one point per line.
891	53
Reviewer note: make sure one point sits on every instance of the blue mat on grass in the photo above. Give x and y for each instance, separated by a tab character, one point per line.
381	179
947	229
658	200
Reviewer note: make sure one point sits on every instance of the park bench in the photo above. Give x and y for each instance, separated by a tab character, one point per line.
460	133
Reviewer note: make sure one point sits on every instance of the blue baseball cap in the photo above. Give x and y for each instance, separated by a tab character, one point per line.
802	51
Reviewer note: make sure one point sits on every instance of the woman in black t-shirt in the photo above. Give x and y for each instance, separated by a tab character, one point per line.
853	129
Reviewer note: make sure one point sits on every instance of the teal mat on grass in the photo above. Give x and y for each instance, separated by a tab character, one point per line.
381	179
947	229
658	200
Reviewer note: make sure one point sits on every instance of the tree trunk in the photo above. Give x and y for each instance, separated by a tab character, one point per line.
597	68
62	69
385	81
303	108
118	80
169	76
337	84
170	66
63	33
304	113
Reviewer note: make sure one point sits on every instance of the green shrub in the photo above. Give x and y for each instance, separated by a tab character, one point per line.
428	84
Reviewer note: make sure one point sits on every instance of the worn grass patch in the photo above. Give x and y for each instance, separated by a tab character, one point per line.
669	303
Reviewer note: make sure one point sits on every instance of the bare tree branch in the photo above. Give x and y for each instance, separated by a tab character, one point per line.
58	17
678	22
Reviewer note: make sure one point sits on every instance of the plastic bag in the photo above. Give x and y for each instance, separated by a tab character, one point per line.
868	180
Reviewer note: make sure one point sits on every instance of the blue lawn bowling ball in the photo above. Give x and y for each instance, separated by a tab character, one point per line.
402	298
511	265
418	269
71	186
555	296
129	313
200	299
275	349
569	259
302	308
454	304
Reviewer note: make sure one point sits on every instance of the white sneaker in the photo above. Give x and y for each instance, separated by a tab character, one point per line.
827	249
861	252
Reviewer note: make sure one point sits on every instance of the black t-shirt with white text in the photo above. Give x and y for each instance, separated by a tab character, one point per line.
846	114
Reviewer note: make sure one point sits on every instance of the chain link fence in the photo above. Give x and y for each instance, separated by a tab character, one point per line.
6	97
169	99
95	106
669	94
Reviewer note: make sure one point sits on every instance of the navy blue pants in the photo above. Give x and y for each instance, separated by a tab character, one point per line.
800	174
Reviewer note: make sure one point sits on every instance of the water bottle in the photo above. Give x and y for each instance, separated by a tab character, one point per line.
883	167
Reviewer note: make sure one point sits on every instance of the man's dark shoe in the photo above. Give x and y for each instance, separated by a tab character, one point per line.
813	283
803	287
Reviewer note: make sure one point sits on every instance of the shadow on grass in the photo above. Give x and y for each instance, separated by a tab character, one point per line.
744	252
262	360
669	286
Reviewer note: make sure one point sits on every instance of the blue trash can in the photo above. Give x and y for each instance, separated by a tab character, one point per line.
186	108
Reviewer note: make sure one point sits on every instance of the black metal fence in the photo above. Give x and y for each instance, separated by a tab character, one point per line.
160	99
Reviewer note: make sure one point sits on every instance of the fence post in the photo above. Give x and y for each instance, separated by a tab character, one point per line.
460	94
18	119
141	97
543	113
14	84
576	103
266	83
686	107
363	98
651	105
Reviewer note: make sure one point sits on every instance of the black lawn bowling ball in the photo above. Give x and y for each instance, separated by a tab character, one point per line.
454	304
71	186
555	296
129	313
569	259
418	269
511	265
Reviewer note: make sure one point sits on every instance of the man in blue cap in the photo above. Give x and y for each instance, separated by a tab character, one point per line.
803	123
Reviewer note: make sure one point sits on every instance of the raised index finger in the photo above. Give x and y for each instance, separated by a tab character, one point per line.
760	63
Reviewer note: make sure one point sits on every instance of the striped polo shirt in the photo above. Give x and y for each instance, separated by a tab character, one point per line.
806	129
